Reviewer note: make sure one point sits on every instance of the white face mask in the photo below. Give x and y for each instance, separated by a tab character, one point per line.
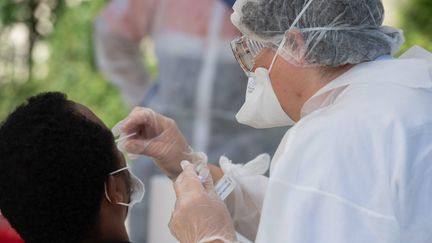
137	189
261	108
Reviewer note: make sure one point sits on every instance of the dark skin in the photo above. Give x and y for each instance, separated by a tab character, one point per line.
112	216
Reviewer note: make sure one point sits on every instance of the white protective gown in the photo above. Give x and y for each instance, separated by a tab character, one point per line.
356	168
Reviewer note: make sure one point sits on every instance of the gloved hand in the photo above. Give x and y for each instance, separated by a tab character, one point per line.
158	137
199	214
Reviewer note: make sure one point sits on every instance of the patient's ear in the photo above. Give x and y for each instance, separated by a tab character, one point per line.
113	189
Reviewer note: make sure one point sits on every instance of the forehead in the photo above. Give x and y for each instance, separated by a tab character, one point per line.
83	110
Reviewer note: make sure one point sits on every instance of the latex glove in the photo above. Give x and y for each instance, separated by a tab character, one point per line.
199	214
158	137
120	140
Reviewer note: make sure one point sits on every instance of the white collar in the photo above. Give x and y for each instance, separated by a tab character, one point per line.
413	69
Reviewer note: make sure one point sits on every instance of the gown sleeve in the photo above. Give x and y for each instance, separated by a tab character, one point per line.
332	185
246	200
118	31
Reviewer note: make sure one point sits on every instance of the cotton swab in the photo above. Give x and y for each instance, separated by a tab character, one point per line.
125	137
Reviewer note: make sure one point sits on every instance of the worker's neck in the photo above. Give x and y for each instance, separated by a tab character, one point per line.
295	85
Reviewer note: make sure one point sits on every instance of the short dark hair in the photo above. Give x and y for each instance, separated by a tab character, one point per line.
53	165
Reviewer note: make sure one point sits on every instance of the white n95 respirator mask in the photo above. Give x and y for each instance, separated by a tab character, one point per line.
261	108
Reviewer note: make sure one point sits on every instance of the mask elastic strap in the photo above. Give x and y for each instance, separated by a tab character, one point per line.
106	192
275	56
301	14
117	171
109	199
284	38
124	204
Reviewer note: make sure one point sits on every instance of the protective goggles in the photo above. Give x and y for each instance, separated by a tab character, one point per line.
245	50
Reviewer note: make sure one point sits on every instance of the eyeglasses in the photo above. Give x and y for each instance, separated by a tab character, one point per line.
245	50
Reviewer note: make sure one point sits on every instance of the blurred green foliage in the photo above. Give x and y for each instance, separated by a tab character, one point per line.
19	11
12	11
416	18
71	68
37	15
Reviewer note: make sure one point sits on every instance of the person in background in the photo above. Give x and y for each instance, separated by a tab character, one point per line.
199	82
62	178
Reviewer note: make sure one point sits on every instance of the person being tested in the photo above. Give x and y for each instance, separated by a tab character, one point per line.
62	178
355	167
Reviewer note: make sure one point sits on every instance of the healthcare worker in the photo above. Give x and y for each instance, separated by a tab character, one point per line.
356	166
195	67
